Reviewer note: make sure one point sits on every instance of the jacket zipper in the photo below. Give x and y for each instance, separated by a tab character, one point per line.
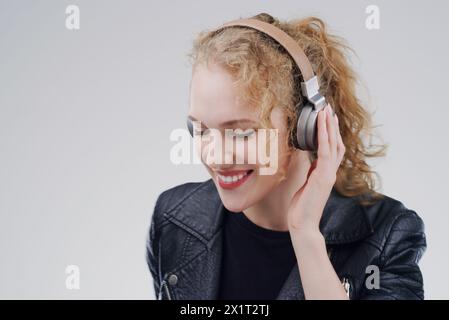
347	286
164	286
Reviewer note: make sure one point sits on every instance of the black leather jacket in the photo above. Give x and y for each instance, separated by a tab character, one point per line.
185	237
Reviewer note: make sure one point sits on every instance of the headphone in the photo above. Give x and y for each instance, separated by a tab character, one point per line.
307	113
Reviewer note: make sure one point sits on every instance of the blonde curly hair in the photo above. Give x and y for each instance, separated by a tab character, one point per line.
271	78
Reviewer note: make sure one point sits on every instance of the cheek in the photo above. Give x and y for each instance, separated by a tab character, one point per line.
265	183
241	152
260	188
264	149
276	157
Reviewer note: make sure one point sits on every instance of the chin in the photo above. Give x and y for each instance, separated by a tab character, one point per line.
233	207
234	203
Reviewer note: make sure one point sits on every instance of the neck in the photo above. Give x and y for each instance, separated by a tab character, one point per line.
271	211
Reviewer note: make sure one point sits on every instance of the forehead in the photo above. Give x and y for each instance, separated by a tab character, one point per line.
216	97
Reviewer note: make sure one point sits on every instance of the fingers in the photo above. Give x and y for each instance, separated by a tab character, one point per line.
330	142
331	130
323	138
340	145
330	148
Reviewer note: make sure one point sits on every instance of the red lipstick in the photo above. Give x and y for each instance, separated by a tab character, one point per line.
233	179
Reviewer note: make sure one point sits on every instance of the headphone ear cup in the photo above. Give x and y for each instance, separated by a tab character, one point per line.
312	131
301	127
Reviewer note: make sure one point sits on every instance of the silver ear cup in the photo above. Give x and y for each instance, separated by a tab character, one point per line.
301	128
311	131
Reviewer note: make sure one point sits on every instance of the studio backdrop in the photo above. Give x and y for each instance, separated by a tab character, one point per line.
91	91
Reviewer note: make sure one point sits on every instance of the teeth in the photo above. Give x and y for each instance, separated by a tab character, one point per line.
230	179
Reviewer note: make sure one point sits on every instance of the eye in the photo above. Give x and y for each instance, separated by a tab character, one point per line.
189	126
241	134
193	130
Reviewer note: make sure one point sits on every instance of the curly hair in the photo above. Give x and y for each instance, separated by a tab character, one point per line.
271	78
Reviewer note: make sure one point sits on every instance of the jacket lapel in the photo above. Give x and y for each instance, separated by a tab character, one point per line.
344	220
200	214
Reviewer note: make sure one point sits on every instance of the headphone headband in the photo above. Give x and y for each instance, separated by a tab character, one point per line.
309	85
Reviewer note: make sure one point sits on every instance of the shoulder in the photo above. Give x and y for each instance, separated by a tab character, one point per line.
395	246
173	197
392	221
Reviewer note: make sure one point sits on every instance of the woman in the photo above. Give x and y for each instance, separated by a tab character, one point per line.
315	228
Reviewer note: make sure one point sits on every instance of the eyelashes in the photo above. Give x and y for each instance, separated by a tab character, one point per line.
242	133
237	133
190	126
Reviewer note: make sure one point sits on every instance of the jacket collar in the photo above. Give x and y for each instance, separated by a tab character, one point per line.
344	220
200	212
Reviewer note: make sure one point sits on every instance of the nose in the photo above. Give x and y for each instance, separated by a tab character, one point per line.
217	155
221	154
221	167
215	162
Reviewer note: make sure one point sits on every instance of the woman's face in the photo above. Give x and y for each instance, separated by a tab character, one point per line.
216	102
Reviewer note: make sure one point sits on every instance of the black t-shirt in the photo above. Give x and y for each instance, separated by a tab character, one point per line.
256	261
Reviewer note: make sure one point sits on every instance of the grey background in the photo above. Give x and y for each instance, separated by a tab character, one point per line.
85	118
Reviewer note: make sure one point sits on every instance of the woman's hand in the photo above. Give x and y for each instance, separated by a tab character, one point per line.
318	277
307	205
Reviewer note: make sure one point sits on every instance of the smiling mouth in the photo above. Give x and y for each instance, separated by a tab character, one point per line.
233	179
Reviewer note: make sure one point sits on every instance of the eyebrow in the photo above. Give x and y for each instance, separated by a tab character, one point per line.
229	122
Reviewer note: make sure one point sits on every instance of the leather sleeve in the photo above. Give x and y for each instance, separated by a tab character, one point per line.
400	275
152	247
